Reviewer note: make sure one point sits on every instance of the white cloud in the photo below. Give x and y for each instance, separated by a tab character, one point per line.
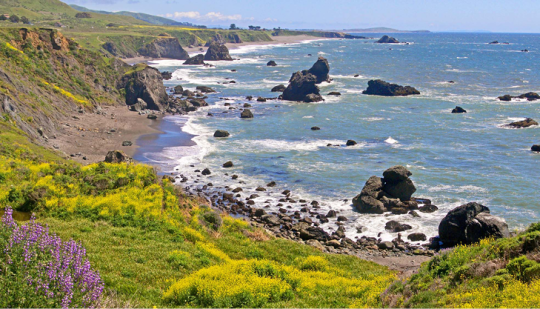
210	16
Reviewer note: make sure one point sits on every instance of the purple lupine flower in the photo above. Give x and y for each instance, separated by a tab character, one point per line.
57	270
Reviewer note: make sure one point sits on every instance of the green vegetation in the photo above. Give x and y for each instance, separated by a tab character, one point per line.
493	273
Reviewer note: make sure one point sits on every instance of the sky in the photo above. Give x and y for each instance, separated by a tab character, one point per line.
433	15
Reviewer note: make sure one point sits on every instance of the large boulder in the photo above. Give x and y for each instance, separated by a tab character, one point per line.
535	148
320	69
271	63
402	190
279	88
366	201
146	83
195	60
523	123
117	156
387	40
396	173
216	52
458	110
178	89
246	113
382	88
301	84
221	133
164	48
139	106
470	223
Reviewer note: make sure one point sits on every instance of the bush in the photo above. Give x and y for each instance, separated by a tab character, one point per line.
40	270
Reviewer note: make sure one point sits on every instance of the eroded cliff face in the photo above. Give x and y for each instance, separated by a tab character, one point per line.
164	48
45	77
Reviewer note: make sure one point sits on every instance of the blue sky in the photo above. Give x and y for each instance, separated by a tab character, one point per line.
434	15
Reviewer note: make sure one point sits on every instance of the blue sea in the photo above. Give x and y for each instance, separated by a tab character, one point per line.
454	158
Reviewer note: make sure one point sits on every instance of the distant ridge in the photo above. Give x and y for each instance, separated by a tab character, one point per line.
383	30
152	19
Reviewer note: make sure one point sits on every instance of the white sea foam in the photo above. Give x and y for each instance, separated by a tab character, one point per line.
390	140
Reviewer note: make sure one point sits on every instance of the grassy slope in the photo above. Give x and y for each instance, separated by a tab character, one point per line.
143	235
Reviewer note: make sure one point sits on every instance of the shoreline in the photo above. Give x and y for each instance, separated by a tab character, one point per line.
276	40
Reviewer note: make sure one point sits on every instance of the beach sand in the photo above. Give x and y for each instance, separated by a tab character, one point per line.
276	40
93	135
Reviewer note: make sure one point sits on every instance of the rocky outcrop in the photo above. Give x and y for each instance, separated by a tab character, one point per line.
164	48
458	110
470	223
246	113
301	85
217	52
146	83
221	133
391	193
279	88
178	89
382	88
271	63
195	60
523	123
387	40
320	69
117	156
530	96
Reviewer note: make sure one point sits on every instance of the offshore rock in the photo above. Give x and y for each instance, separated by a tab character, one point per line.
217	52
387	40
320	69
382	88
195	60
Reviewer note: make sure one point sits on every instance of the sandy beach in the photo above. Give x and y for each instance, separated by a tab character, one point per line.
87	138
276	40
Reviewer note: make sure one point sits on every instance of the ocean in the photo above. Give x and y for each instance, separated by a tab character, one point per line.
454	158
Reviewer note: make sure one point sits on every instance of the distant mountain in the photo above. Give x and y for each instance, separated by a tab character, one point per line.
152	19
382	30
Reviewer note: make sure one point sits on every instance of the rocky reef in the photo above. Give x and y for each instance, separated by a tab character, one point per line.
382	88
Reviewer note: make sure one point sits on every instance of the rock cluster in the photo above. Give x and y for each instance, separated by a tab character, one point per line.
391	193
387	40
195	60
535	148
382	88
530	96
470	223
217	52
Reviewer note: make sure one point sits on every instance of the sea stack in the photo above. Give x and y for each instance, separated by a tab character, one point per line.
303	84
217	52
387	40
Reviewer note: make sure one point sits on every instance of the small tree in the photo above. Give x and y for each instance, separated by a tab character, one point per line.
25	20
14	19
3	17
233	27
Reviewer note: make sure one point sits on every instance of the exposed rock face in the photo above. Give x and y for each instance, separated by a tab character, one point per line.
217	52
523	123
391	193
301	85
195	60
530	96
469	223
458	110
146	83
320	69
164	48
139	106
271	63
387	39
382	88
279	88
111	48
117	156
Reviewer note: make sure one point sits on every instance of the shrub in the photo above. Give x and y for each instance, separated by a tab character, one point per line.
40	270
314	263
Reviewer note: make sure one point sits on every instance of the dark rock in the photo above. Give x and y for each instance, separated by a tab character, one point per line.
178	89
333	243
261	99
228	164
247	105
246	114
206	172
523	123
271	184
417	237
469	223
164	48
315	128
428	208
334	93
146	83
458	110
535	148
382	88
221	133
139	106
259	212
386	245
127	143
117	156
396	173
198	102
260	189
331	214
530	96
395	227
279	88
216	52
166	75
505	97
320	69
351	142
188	93
300	85
387	40
205	89
271	63
313	232
342	219
152	116
312	97
195	60
270	219
366	201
